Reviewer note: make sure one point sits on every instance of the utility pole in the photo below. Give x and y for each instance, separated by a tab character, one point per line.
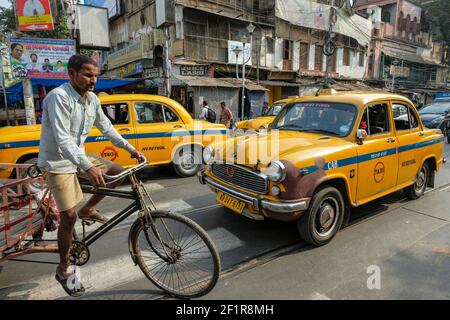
4	86
166	62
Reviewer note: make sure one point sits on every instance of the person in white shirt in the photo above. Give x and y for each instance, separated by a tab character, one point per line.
34	65
204	113
33	8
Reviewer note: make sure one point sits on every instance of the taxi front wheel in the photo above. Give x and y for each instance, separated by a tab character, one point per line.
417	190
324	217
187	161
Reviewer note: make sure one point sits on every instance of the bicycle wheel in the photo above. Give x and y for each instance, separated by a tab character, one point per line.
184	264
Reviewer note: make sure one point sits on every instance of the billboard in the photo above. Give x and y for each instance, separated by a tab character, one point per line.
34	15
113	6
94	28
40	58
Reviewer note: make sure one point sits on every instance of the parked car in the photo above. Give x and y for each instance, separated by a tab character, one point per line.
434	115
334	151
157	126
262	123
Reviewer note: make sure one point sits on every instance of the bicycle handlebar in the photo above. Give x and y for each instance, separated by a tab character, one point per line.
127	172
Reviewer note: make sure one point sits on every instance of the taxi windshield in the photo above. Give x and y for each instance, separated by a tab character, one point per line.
275	109
329	118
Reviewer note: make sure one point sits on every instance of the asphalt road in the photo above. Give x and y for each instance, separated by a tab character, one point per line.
266	259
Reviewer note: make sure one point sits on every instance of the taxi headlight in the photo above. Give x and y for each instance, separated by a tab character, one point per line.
276	172
208	154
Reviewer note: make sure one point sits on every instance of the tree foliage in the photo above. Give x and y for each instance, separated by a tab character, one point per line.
438	13
8	25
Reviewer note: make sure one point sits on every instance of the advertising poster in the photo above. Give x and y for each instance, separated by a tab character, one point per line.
34	15
40	58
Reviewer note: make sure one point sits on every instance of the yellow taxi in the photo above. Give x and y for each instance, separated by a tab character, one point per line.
157	126
262	123
323	155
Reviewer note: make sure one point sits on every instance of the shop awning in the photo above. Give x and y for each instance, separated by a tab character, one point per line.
278	84
411	57
102	84
220	82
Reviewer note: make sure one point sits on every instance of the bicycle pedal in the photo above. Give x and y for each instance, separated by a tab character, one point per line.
87	222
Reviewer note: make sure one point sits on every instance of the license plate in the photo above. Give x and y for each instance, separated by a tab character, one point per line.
230	202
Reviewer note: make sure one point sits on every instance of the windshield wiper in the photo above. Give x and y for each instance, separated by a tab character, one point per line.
321	131
292	126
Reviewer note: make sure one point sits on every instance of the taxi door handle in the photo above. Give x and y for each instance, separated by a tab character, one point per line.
421	134
125	129
178	126
390	140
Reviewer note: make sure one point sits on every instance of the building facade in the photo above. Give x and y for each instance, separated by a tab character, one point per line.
284	54
402	50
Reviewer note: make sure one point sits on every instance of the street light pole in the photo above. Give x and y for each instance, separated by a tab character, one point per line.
250	28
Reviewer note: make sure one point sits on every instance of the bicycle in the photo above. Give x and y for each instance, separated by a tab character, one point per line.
173	251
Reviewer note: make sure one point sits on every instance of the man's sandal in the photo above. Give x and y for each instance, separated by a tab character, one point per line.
74	292
93	218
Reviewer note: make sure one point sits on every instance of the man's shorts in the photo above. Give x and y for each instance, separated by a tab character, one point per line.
66	188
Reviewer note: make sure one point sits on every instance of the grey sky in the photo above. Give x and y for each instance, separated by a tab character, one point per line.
5	3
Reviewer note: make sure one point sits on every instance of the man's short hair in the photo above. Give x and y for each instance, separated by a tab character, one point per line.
33	54
15	45
77	61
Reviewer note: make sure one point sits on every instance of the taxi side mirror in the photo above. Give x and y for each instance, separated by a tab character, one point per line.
361	135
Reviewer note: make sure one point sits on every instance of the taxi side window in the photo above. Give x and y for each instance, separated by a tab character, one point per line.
404	117
170	116
149	112
376	119
117	113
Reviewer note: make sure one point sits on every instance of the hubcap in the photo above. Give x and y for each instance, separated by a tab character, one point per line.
421	179
327	217
188	161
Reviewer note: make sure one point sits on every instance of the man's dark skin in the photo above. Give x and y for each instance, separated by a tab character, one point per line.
83	82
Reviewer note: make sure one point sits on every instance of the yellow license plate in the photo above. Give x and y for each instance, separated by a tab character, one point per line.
230	202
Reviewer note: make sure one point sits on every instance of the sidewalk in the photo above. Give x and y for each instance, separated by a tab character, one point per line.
409	244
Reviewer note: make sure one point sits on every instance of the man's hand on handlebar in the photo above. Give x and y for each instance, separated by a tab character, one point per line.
96	177
137	155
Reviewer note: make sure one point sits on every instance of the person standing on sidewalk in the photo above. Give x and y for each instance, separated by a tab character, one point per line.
69	113
226	116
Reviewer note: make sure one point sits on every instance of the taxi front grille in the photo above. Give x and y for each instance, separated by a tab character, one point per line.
240	177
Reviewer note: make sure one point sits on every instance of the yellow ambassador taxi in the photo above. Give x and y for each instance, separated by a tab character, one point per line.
262	123
323	155
157	126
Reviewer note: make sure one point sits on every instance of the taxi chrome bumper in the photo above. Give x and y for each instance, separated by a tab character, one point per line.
258	204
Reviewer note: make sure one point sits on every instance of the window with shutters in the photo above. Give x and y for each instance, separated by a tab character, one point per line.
304	56
318	58
346	57
361	58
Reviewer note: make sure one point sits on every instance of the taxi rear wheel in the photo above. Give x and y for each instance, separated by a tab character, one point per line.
187	161
324	217
417	190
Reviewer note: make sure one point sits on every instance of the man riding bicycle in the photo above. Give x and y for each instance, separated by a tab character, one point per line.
69	113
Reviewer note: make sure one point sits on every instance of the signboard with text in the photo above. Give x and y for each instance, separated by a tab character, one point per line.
34	15
40	58
194	71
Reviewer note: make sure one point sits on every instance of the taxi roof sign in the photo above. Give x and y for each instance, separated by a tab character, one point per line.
326	92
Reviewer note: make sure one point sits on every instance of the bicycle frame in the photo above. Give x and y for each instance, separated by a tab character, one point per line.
93	236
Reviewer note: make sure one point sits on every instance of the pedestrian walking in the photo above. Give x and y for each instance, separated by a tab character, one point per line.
207	113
